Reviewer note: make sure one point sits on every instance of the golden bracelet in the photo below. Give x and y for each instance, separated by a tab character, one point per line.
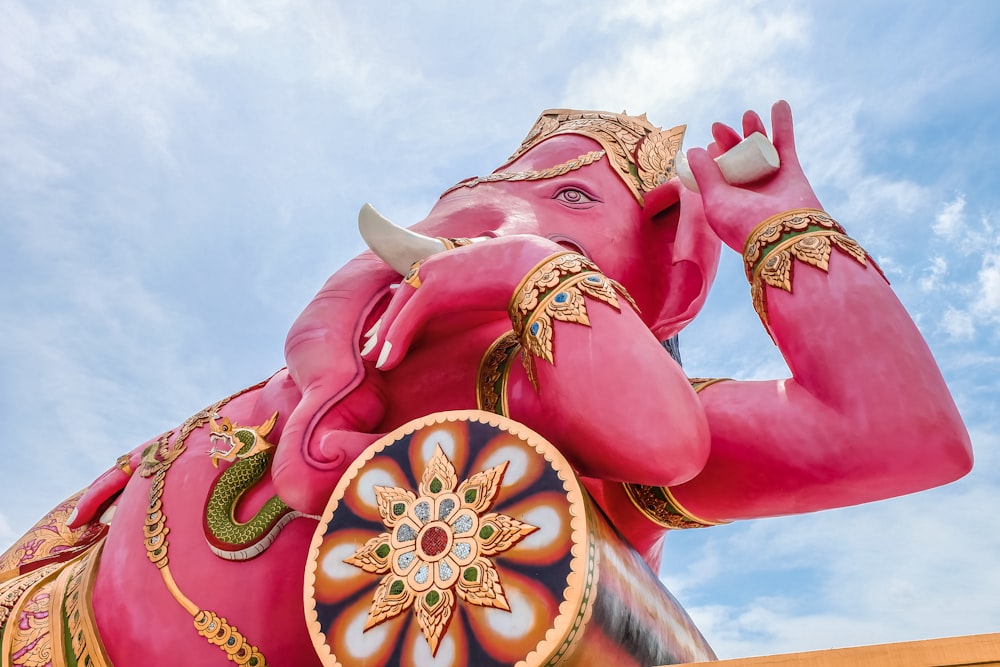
805	234
658	505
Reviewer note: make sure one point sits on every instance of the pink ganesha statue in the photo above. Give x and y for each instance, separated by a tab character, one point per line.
479	441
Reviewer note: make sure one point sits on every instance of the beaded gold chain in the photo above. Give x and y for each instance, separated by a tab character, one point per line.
156	462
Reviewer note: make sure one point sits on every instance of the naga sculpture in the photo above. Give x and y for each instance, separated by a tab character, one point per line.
520	323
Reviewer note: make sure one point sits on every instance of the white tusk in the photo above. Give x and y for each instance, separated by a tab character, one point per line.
398	247
750	160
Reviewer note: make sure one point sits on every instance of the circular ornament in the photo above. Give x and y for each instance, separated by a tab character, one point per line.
460	538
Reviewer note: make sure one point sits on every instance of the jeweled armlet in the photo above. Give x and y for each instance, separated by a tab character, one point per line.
807	235
556	289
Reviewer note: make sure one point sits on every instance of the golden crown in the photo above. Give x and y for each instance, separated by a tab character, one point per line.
642	155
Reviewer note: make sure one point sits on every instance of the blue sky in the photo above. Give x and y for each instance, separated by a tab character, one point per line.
178	179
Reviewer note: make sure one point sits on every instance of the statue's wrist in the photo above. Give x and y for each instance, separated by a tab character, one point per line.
804	234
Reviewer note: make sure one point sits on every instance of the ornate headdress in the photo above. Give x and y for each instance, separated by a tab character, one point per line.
641	154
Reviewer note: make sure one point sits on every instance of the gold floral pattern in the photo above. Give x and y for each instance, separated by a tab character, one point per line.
806	235
555	290
655	157
438	547
641	154
50	540
533	175
494	372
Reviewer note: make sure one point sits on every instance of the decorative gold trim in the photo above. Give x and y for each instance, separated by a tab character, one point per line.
86	640
781	225
566	304
494	374
124	464
57	615
13	594
33	639
554	290
641	154
805	234
412	277
215	629
551	172
658	505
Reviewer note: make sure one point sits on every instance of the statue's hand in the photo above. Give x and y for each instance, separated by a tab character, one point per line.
733	211
480	277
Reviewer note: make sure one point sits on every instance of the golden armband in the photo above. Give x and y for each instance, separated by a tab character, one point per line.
805	234
555	290
494	373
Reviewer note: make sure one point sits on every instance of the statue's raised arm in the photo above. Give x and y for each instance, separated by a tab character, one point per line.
866	414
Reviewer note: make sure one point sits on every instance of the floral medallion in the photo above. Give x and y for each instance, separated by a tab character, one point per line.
461	538
439	547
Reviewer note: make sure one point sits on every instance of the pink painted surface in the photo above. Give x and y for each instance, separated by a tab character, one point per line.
866	414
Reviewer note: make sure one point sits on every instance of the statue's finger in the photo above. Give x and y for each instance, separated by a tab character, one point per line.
752	123
725	138
706	171
784	135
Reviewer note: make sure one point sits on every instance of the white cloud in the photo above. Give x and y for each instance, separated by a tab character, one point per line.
891	571
987	302
950	219
937	271
680	62
958	324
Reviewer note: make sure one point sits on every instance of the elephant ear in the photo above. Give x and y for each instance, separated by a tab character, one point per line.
692	258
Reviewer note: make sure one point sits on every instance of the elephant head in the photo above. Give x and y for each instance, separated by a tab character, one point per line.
599	183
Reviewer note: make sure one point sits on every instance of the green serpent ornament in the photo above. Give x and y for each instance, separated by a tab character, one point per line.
251	453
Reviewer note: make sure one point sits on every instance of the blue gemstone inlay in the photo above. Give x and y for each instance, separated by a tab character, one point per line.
561	297
534	329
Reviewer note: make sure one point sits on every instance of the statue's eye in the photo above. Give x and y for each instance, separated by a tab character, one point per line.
574	197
